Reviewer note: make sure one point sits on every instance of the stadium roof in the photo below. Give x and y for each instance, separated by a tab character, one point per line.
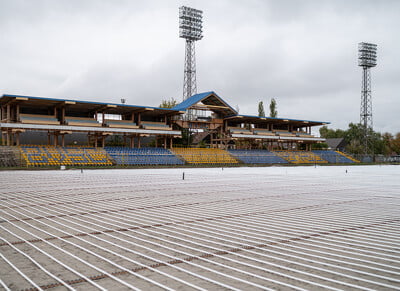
210	99
278	121
85	106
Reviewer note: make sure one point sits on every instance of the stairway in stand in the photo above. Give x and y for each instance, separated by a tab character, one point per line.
10	156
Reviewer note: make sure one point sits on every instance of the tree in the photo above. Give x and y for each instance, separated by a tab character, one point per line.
261	112
272	108
326	132
354	136
168	103
396	144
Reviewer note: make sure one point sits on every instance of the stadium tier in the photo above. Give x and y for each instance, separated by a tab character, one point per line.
300	157
257	157
348	156
143	156
39	155
334	157
36	156
205	156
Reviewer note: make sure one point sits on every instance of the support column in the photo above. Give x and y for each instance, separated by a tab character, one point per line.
11	138
165	142
17	138
103	141
3	138
63	140
170	145
156	142
48	138
63	115
17	113
139	141
8	113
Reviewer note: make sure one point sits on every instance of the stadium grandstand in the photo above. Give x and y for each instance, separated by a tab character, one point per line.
227	137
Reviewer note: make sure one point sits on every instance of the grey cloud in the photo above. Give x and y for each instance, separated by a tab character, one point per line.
303	53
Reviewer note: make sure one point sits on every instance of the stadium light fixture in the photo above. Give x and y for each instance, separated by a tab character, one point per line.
191	29
190	23
366	60
367	54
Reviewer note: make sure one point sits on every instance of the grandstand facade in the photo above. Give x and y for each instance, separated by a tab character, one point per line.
229	138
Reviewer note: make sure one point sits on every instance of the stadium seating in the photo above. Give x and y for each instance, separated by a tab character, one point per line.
284	133
300	157
348	156
81	121
38	119
9	157
205	156
143	156
240	130
120	123
257	157
155	125
303	134
262	131
37	155
333	157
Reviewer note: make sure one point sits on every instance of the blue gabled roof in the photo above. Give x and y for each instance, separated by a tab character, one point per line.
192	101
197	98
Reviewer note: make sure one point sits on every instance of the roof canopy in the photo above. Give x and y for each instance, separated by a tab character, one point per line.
84	107
203	101
210	101
237	119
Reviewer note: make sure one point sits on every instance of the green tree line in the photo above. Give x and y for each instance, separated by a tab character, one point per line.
385	144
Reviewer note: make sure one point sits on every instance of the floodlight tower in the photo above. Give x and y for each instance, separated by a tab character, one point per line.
366	60
191	29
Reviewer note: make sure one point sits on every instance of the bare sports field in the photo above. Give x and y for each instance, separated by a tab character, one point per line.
235	228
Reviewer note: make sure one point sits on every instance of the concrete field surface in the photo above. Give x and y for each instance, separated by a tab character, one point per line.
273	228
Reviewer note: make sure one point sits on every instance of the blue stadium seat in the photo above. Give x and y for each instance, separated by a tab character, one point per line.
333	157
257	157
143	156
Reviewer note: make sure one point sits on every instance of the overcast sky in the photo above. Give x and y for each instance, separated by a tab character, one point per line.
302	53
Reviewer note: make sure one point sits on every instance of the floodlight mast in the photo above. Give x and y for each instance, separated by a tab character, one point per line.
366	60
191	29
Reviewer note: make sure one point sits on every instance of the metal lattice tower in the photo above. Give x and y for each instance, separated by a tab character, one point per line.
191	29
366	60
189	77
